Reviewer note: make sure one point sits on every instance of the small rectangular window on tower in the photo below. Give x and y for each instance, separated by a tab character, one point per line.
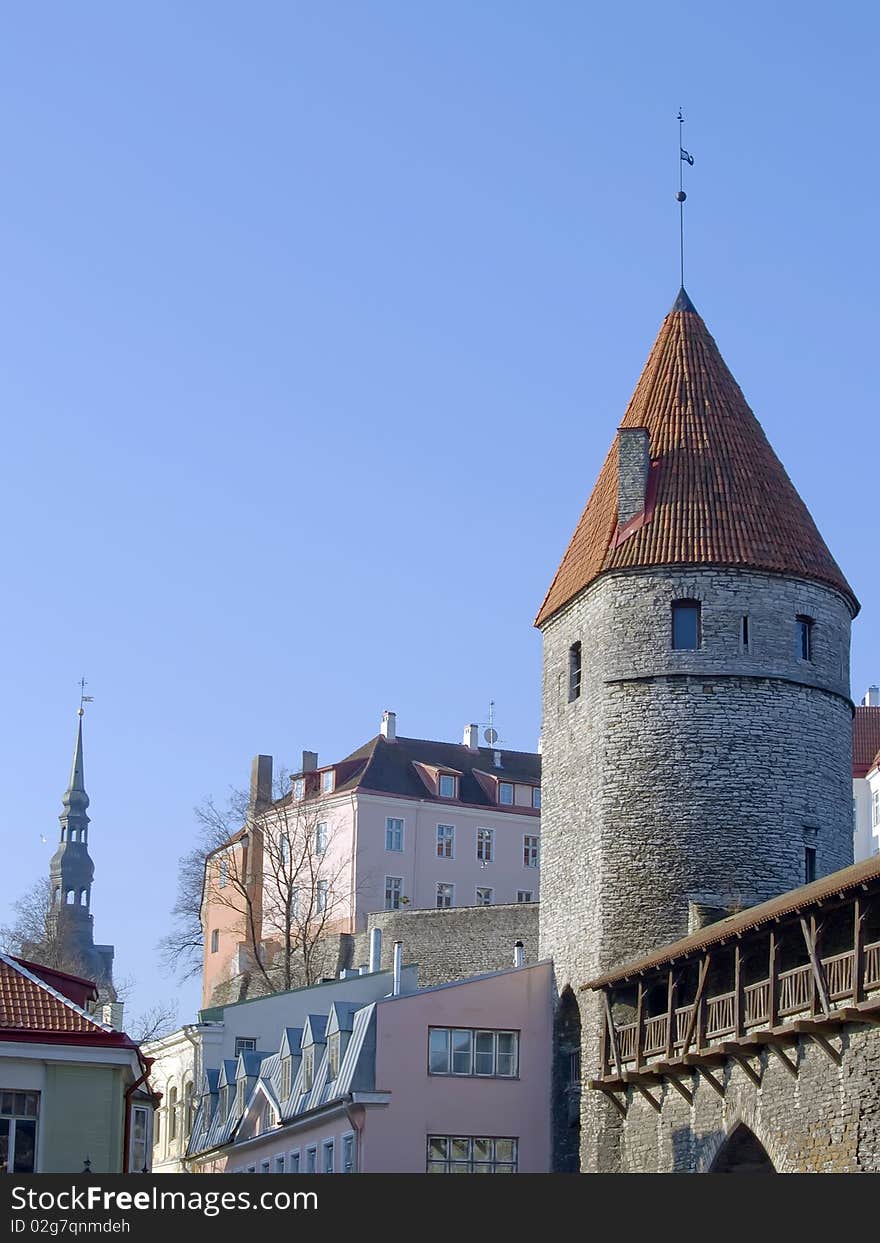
809	864
804	638
574	671
685	625
744	634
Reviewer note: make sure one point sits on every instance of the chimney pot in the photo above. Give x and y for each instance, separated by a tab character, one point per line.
389	726
310	761
519	954
471	737
633	462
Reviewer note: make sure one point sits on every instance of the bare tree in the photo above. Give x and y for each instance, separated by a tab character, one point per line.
36	931
153	1023
276	870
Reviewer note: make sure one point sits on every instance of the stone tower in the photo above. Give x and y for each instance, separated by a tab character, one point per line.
71	872
697	721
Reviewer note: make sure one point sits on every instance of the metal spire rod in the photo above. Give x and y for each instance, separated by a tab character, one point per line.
83	697
683	158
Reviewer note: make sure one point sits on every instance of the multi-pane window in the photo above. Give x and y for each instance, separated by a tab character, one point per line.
447	786
530	851
172	1114
327	781
393	833
333	1054
505	793
393	892
312	1160
685	624
470	1154
321	892
445	841
574	671
138	1160
347	1154
279	1164
536	797
308	1068
245	1044
875	809
286	1077
445	895
484	896
299	788
525	895
293	1162
803	638
239	1096
485	845
321	836
327	1156
467	1051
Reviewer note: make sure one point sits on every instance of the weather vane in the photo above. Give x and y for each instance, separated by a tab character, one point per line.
83	697
684	157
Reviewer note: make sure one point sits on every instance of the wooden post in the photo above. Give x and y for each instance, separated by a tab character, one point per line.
670	1016
612	1032
773	987
814	992
858	974
640	1023
738	1015
605	1053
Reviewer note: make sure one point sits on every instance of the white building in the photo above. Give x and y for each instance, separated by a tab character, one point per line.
866	776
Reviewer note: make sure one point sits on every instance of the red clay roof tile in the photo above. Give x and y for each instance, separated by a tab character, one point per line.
866	740
28	1004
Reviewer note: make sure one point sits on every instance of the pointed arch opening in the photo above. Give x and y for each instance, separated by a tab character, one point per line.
567	1084
742	1153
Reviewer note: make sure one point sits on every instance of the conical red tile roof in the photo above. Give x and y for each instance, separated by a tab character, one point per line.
721	495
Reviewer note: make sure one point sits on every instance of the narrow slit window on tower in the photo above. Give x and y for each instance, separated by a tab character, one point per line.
803	641
574	671
744	633
809	864
685	625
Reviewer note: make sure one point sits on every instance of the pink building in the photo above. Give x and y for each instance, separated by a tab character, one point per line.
451	1079
400	822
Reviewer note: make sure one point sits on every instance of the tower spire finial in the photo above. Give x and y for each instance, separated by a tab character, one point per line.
684	157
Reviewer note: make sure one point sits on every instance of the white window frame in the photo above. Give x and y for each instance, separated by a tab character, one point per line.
471	1037
448	889
536	798
393	892
299	789
322	892
322	837
446	841
485	845
334	1053
875	809
245	1044
328	781
531	851
506	785
525	895
395	828
447	777
134	1166
308	1068
485	889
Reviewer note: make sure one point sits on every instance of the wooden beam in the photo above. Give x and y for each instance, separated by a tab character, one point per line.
670	1014
738	997
640	1022
789	1065
858	975
810	937
710	1078
680	1088
611	1095
612	1032
747	1068
692	1022
648	1097
826	1046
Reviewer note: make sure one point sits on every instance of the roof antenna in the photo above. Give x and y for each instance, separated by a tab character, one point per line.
684	157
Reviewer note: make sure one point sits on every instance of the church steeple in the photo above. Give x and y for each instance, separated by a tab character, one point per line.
75	800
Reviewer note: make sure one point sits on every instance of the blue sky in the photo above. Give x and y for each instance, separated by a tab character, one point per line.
317	321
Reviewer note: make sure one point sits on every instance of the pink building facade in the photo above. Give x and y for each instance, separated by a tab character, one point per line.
451	1079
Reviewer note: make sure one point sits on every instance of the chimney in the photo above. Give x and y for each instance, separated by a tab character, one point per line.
310	761
633	461
375	949
872	697
519	954
396	964
389	726
471	737
261	782
111	1012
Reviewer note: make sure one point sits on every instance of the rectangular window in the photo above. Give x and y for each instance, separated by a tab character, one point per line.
484	896
265	1167
321	836
245	1044
809	864
445	896
485	845
327	1157
293	1162
467	1154
327	781
139	1156
744	634
536	797
530	851
473	1052
279	1164
447	786
445	841
333	1051
286	1077
299	789
804	638
308	1068
215	940
574	672
321	892
685	624
347	1154
393	833
875	809
505	793
524	895
393	892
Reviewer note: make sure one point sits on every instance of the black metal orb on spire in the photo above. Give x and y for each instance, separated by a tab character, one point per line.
680	196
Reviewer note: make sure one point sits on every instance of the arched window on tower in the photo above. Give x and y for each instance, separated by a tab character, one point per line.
82	897
69	897
56	896
686	625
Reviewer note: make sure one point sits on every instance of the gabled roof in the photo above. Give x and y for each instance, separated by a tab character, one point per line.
722	496
291	1042
341	1017
29	1006
314	1029
866	740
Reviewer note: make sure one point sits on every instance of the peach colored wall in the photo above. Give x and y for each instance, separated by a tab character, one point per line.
230	925
395	1138
418	863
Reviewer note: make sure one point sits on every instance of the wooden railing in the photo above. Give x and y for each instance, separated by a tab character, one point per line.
718	1019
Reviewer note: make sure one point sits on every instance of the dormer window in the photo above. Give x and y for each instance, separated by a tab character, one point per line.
328	781
448	786
505	793
286	1077
299	789
685	625
536	797
239	1096
333	1055
308	1068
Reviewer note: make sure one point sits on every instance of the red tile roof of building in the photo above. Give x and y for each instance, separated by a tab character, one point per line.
723	497
32	1009
866	740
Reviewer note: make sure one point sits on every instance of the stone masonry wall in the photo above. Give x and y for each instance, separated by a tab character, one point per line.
454	943
827	1120
680	777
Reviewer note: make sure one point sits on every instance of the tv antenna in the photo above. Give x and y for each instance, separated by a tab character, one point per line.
490	734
